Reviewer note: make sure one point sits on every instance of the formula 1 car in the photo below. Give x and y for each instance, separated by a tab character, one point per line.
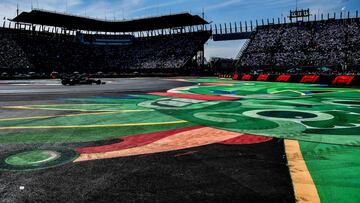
80	80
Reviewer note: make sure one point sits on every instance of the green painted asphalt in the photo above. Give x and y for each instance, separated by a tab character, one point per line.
335	170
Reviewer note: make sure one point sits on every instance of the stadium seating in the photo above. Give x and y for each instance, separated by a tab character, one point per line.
62	53
330	43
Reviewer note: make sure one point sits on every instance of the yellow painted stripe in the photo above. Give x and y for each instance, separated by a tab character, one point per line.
97	104
72	115
304	187
91	126
64	109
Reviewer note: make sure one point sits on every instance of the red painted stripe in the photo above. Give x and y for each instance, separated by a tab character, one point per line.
194	96
246	139
134	141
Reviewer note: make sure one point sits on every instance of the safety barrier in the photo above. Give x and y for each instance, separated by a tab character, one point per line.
226	76
342	80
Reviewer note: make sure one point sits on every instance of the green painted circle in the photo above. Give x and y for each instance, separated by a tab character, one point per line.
32	157
227	120
287	114
36	159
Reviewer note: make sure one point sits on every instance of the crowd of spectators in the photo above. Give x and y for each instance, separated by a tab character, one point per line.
11	55
46	52
167	52
333	43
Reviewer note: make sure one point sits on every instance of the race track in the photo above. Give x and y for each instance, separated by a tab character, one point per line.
176	140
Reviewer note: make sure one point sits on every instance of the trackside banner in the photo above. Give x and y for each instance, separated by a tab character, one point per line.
235	77
283	78
263	78
343	80
246	77
310	79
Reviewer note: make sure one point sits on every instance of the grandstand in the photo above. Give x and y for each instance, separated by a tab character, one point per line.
37	43
299	47
42	42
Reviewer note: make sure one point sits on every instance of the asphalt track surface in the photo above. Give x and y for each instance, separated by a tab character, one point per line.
210	173
28	90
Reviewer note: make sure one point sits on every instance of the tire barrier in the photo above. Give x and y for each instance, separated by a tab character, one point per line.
342	80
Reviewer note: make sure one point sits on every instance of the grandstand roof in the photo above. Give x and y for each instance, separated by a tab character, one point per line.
73	22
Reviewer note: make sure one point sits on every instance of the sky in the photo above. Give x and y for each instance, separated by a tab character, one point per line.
216	11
